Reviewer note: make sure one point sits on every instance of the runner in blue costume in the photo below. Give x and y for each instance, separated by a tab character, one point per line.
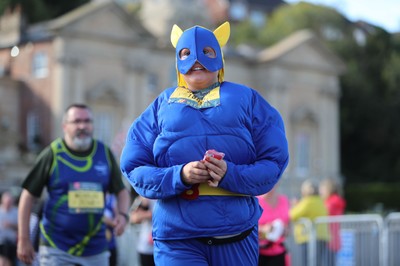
206	211
77	171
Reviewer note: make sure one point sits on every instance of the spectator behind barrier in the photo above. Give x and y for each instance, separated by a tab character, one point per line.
8	229
335	204
272	228
310	206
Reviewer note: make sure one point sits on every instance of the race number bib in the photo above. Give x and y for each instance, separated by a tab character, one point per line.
85	197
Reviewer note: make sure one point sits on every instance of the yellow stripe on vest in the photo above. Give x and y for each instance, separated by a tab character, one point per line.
206	190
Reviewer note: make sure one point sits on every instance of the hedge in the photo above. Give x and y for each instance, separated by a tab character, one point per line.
381	197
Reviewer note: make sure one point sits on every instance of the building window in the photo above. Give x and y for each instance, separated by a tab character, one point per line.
152	86
33	132
3	71
152	83
102	125
302	154
40	65
172	81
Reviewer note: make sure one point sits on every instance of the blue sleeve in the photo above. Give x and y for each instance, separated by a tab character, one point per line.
272	155
137	160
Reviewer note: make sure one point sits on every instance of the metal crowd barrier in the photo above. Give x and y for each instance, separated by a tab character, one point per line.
358	240
126	243
297	253
363	240
391	240
360	237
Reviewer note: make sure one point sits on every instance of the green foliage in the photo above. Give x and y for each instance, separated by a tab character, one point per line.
391	74
367	197
369	112
244	32
41	10
291	18
288	19
7	3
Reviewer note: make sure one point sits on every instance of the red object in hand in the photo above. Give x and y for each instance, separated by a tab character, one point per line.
215	154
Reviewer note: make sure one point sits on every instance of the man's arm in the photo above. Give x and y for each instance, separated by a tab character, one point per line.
25	249
122	218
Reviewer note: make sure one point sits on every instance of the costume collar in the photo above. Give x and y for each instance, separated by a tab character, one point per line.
210	97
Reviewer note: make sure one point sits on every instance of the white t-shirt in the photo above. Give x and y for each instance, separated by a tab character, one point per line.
145	241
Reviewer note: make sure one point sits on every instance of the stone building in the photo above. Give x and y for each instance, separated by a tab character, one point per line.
99	55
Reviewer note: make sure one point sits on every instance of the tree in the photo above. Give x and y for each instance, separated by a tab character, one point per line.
41	10
324	21
368	113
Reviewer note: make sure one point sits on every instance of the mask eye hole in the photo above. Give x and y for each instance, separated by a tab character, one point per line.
184	53
209	52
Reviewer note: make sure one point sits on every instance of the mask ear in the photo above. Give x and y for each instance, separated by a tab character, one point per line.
175	35
222	33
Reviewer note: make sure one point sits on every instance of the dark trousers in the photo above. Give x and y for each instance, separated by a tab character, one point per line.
9	250
322	253
278	260
146	260
113	257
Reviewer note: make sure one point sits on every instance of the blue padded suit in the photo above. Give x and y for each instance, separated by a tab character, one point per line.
170	134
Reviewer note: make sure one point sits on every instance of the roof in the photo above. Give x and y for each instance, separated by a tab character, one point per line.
296	40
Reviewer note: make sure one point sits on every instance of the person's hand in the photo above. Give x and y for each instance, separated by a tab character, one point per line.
120	223
138	216
261	235
135	217
263	230
195	173
108	221
217	170
25	251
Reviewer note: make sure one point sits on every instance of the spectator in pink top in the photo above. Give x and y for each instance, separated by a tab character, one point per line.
272	227
335	204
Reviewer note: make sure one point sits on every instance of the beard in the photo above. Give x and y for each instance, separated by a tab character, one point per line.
83	143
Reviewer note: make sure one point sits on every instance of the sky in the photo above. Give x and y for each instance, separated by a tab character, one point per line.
382	13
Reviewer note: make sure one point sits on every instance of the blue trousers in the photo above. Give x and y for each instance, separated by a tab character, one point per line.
195	253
